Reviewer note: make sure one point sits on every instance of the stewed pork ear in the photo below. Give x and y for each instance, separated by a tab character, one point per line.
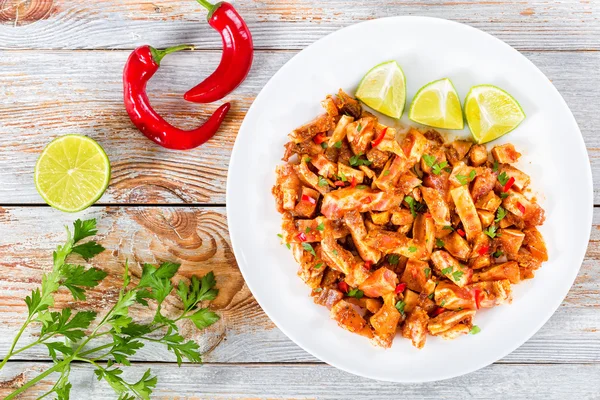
411	236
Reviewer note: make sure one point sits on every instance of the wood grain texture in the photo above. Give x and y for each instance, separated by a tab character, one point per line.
551	382
198	238
283	24
47	94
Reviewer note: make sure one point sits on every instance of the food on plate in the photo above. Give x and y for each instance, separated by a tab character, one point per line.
491	113
383	89
410	234
141	65
236	60
72	173
437	104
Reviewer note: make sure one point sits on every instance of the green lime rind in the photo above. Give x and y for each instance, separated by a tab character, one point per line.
413	117
519	115
394	110
42	173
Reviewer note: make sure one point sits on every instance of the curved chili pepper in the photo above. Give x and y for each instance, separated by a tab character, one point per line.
237	54
140	67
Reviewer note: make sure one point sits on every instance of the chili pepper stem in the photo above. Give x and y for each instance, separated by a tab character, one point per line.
157	55
208	5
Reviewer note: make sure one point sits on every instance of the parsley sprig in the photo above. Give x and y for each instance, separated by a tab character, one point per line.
64	332
435	167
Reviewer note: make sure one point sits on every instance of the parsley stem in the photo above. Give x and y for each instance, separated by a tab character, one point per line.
14	343
94	350
56	367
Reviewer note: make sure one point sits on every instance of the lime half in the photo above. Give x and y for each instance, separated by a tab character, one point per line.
437	104
491	112
72	173
383	89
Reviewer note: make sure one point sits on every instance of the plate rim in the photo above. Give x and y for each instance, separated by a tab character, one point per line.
475	366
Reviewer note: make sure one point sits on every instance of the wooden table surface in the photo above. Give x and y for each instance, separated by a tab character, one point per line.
60	72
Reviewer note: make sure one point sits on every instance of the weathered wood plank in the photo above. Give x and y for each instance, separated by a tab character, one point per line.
80	92
283	24
323	382
198	237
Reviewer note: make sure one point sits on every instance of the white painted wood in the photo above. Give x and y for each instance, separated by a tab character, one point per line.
515	382
51	93
286	24
245	334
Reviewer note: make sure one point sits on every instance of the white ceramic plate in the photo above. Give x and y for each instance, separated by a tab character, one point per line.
554	156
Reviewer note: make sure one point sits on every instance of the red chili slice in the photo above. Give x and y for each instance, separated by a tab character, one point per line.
368	264
343	286
339	183
379	139
509	184
320	138
309	199
353	182
367	200
477	294
482	251
521	208
301	237
400	288
460	232
438	311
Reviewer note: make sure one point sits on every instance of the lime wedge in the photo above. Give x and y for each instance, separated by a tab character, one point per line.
437	104
491	112
383	89
72	173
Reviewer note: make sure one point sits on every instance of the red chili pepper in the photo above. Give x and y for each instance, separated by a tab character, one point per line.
141	65
353	182
368	264
509	184
301	237
320	138
343	286
236	60
438	311
309	199
477	294
339	183
460	232
400	288
482	251
379	139
427	215
521	208
367	200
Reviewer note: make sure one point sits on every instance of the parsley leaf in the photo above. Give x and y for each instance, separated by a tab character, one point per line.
503	178
393	259
318	266
203	318
495	167
357	294
76	277
362	187
359	127
437	168
472	175
448	227
446	271
322	181
83	229
427	272
338	144
443	303
308	247
412	249
429	160
456	275
500	214
386	172
439	242
498	253
475	330
321	227
356	161
324	145
503	195
307	159
343	177
400	306
411	203
88	250
491	231
462	179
